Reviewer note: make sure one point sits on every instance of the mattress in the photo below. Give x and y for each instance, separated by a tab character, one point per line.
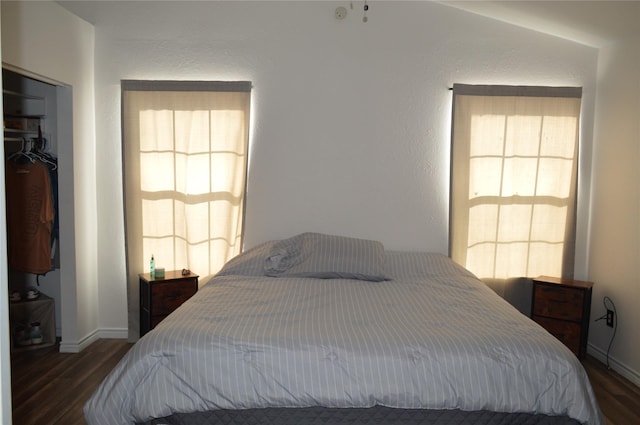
429	336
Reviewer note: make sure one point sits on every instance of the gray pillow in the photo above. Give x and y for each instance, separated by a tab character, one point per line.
326	257
248	263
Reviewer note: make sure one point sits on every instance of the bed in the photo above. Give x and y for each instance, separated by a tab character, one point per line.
322	329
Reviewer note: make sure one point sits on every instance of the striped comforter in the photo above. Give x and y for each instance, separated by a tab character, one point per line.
432	337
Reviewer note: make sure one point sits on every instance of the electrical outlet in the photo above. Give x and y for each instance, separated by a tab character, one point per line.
610	318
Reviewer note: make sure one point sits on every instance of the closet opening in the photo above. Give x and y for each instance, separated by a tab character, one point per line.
33	126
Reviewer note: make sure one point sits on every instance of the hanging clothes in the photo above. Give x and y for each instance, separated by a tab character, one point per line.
30	215
55	231
39	153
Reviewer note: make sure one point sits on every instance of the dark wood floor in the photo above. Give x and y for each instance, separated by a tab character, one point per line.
618	397
50	387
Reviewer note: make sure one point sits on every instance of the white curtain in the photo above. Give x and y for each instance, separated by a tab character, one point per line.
513	180
184	163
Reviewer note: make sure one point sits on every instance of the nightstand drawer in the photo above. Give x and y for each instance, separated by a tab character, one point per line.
558	302
567	332
155	320
166	297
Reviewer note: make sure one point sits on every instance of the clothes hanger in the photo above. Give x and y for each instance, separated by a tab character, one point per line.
22	153
45	157
39	151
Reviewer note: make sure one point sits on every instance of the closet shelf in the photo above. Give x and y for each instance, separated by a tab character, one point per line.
18	131
22	95
35	117
22	105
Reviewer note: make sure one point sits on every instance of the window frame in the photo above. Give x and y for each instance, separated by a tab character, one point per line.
136	255
462	179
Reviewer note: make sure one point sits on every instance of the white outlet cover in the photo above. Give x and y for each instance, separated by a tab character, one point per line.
341	12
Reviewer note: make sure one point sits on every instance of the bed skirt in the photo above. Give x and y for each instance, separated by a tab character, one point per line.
377	415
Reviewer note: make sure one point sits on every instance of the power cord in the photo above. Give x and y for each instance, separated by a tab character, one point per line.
606	301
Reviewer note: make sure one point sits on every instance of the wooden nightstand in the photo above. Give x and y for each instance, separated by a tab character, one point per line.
159	297
562	307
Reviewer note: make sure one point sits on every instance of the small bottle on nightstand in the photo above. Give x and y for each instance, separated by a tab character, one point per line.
152	268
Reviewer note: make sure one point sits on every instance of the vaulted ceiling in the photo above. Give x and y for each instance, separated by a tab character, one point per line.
593	23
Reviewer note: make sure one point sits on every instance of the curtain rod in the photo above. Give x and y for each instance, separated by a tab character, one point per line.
505	90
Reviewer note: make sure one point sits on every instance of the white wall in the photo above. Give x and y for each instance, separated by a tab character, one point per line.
615	235
351	121
43	39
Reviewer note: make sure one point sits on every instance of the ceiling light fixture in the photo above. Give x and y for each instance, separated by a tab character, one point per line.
341	12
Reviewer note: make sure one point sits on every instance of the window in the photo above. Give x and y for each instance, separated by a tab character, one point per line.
513	180
184	163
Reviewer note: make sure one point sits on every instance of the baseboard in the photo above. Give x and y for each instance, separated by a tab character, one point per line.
114	333
77	346
617	366
106	333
